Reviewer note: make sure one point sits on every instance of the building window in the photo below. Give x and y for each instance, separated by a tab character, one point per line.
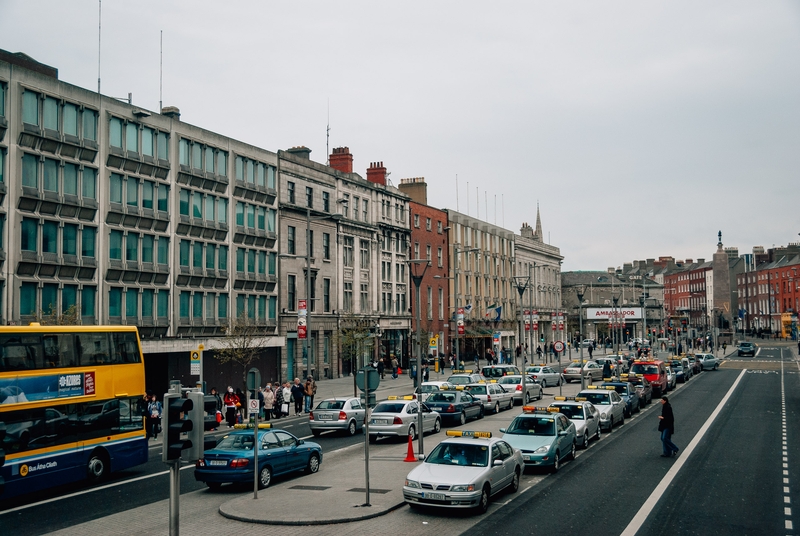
163	198
355	208
272	311
30	170
309	197
347	259
132	137
223	258
272	259
197	255
290	192
30	231
427	224
364	205
346	205
441	303
30	109
416	221
416	250
50	113
310	244
439	257
326	295
87	242
326	201
115	132
50	182
365	298
251	216
148	150
326	246
90	131
240	253
132	194
348	297
365	262
69	239
70	178
439	227
291	293
183	253
290	240
430	303
428	252
132	247
222	306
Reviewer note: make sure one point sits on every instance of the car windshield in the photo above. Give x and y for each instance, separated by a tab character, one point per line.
389	407
429	388
572	411
477	389
533	370
574	364
442	397
459	454
331	404
493	373
621	389
598	399
509	380
542	426
459	380
638	368
237	441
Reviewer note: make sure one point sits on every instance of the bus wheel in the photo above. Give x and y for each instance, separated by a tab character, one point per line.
98	466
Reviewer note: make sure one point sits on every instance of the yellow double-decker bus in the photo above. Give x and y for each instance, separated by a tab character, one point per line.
72	402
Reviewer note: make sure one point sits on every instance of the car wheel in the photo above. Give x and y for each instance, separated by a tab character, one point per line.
412	432
313	464
589	380
585	442
97	467
497	407
611	424
572	452
556	462
623	418
214	485
598	434
483	505
480	415
527	398
437	426
540	395
351	428
264	477
515	481
462	419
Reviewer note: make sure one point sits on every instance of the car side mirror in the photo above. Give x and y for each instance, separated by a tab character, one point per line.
300	442
562	433
503	430
497	463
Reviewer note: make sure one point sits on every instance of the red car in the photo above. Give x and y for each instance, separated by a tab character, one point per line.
654	372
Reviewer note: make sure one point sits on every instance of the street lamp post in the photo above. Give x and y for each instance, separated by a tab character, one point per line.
417	279
615	298
522	283
580	290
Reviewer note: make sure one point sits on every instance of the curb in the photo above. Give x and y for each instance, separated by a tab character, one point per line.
304	522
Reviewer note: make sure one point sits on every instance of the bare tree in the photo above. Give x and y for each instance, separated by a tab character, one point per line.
71	316
352	338
243	342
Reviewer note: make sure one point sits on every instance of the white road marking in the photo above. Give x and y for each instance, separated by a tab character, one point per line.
92	490
648	506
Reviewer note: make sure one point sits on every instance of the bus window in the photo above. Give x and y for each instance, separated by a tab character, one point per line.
93	349
126	347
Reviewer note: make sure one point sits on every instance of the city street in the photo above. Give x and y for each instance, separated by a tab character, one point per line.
734	473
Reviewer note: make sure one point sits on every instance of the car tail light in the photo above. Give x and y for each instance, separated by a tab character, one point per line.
397	420
450	409
239	462
519	388
200	463
342	415
488	398
310	415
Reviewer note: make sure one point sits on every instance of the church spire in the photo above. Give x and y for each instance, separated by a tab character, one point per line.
537	234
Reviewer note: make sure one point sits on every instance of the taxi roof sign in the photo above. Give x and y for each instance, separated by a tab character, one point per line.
570	398
261	426
406	397
539	409
468	433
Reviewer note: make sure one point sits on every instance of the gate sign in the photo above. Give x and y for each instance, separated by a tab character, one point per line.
527	325
301	308
536	326
460	320
252	406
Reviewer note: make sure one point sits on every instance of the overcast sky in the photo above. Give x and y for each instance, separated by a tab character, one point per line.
641	128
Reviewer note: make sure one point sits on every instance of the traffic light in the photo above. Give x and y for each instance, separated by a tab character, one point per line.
197	433
210	409
175	425
2	455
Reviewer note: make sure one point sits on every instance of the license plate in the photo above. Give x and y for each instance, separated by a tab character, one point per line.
526	458
434	496
380	421
325	417
217	462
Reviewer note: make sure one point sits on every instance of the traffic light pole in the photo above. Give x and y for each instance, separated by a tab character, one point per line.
174	476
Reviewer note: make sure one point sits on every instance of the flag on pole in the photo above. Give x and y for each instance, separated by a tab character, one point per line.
468	309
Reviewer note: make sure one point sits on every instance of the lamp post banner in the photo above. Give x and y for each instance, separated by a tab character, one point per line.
608	313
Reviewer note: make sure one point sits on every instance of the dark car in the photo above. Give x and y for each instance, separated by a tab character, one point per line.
681	375
455	406
747	348
627	392
279	453
643	388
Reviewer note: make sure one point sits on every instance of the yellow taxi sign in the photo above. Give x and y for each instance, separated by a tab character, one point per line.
560	398
406	397
468	433
591	387
581	399
261	426
539	409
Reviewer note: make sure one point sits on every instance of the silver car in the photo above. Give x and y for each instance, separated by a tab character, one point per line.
591	371
342	414
583	415
465	378
398	417
513	384
545	376
426	388
464	472
608	403
707	361
493	396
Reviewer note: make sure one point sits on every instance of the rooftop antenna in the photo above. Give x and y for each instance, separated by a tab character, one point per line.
161	75
99	28
457	192
328	135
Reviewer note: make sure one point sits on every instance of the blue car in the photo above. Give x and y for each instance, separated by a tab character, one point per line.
544	435
279	453
627	392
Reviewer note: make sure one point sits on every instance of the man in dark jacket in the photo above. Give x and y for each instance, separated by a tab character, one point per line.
297	396
666	426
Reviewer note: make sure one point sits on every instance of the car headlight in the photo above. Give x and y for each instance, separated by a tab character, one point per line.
464	487
542	450
412	483
603	415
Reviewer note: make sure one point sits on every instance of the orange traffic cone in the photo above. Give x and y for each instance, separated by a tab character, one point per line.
410	456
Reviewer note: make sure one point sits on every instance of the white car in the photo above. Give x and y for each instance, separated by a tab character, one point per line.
608	403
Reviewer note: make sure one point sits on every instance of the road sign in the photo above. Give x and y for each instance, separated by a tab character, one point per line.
558	346
252	406
373	379
195	356
253	379
536	326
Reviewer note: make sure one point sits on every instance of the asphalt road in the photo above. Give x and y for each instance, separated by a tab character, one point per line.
732	482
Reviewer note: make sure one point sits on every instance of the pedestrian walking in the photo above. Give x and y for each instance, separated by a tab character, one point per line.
395	364
666	426
241	399
230	400
287	398
154	410
607	369
381	368
310	389
297	396
278	409
590	350
539	352
269	401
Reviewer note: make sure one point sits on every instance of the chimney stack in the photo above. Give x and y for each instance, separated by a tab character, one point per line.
173	112
301	152
342	160
376	173
416	189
